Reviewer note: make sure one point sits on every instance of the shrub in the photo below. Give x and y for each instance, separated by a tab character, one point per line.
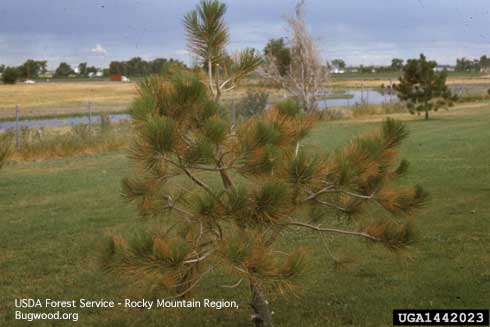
252	104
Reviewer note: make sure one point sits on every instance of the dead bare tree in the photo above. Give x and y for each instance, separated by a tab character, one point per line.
306	74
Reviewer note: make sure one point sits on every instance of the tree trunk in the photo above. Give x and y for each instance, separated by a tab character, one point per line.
262	316
210	76
426	114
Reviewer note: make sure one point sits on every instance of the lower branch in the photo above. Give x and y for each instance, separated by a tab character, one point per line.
334	230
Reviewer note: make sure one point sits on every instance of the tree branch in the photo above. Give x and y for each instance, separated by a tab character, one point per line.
334	230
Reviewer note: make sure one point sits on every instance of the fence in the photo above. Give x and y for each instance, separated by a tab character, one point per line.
18	124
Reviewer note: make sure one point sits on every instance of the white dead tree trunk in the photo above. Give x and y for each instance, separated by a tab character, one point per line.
306	74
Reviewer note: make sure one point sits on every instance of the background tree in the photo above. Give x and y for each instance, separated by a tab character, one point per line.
91	69
82	69
207	37
281	54
10	75
224	196
396	64
306	73
485	63
252	104
422	88
32	68
43	64
63	70
467	65
2	68
338	63
139	67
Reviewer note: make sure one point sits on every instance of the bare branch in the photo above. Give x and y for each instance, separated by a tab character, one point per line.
234	285
334	230
201	258
193	284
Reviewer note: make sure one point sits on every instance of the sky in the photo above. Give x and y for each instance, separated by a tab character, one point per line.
369	32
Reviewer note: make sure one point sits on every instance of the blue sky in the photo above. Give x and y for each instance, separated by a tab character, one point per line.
360	32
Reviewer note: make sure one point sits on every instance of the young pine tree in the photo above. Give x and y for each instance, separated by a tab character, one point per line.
422	88
226	195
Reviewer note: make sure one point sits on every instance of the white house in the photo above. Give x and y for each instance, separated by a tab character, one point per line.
336	70
444	68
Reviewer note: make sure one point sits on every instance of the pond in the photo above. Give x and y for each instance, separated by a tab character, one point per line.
358	96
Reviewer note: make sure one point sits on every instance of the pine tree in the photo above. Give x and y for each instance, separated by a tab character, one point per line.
226	194
207	37
422	88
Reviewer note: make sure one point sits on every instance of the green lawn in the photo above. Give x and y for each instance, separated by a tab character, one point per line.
53	215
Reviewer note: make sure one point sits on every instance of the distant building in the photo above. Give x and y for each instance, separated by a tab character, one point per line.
116	77
99	73
444	68
46	75
336	70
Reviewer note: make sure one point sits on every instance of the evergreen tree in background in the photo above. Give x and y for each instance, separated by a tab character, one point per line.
277	49
422	88
224	196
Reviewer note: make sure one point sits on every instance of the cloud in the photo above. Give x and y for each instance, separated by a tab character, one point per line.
99	50
182	52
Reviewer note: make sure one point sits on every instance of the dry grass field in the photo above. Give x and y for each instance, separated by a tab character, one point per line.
59	98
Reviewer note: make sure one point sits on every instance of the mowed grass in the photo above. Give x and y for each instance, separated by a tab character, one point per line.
54	214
